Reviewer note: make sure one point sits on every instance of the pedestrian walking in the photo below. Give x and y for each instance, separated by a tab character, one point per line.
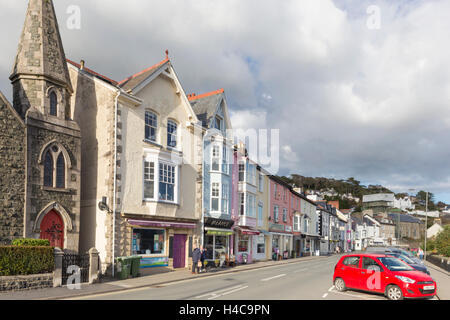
196	255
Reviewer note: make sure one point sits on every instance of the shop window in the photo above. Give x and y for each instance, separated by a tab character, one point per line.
243	243
261	248
148	241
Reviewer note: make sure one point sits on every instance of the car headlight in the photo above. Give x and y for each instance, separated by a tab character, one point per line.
405	279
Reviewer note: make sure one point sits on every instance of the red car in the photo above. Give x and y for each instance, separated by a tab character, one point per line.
384	274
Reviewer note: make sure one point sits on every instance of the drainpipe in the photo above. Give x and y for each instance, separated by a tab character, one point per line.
116	102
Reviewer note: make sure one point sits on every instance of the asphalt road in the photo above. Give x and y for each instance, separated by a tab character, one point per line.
305	280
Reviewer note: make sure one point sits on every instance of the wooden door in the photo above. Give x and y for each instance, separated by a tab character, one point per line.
52	229
179	250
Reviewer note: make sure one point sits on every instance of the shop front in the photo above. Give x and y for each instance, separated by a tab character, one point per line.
161	243
245	244
218	240
282	241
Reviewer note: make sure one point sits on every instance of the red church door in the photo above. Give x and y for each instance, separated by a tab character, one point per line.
52	229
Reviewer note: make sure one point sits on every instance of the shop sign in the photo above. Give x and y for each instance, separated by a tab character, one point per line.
218	223
219	233
276	227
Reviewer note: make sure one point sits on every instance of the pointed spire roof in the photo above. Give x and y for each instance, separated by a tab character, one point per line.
40	52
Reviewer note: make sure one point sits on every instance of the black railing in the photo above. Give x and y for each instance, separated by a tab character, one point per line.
79	260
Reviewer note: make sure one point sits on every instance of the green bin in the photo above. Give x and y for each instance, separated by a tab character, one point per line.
123	267
135	265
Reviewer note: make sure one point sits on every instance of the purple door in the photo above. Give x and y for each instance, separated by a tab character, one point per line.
179	250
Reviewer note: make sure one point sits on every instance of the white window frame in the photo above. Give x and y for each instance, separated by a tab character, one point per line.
260	214
225	197
172	123
260	182
175	181
285	215
276	213
216	156
149	178
296	225
242	204
243	172
151	113
215	189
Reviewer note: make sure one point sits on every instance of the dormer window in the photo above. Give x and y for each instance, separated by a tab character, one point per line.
53	104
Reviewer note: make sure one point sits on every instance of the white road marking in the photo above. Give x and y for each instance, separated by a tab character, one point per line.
325	295
301	270
276	277
332	287
215	292
356	296
123	285
215	296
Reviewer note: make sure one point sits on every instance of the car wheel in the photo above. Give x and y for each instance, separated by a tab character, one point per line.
393	292
339	284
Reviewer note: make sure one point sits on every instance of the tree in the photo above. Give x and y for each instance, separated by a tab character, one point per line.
442	242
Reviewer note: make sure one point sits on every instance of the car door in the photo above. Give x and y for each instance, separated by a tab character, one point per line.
350	271
371	275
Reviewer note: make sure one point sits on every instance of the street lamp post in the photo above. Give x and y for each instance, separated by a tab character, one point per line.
426	229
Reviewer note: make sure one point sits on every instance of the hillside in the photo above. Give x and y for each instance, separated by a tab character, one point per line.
351	186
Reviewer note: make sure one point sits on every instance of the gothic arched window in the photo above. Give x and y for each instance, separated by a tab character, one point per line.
60	172
53	104
48	170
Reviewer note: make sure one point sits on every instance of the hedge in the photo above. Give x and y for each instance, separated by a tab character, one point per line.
26	260
31	242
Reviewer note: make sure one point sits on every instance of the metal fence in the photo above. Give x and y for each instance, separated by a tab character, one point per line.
79	260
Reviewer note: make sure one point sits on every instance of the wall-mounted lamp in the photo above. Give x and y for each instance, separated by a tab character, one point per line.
103	206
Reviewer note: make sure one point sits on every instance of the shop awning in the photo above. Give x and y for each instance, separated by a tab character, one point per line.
247	230
161	224
218	232
266	233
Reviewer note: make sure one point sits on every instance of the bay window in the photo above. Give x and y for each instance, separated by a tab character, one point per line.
215	158
241	171
149	180
241	204
225	192
215	192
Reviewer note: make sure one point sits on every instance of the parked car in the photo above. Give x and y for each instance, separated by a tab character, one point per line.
406	253
418	266
383	274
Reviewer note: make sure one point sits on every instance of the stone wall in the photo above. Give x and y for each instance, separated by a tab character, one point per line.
38	197
440	261
23	283
12	173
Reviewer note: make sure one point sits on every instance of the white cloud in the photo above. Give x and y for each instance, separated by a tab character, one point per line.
348	100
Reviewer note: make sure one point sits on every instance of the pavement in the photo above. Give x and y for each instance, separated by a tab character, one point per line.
155	278
442	278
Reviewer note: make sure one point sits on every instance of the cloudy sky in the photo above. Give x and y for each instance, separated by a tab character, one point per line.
352	95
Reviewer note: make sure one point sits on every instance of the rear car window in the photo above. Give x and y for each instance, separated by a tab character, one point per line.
351	262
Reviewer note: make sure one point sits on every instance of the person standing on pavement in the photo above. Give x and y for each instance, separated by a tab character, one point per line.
420	253
196	255
203	258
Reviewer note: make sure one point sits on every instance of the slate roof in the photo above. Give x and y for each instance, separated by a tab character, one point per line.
93	73
133	81
205	105
404	218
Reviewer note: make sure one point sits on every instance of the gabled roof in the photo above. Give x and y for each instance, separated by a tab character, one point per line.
205	105
5	102
93	73
133	81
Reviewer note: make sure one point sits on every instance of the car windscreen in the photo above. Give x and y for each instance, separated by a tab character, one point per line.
406	259
394	264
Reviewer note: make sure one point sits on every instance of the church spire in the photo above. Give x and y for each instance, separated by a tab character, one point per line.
40	59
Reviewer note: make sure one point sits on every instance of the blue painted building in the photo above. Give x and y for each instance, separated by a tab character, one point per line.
212	110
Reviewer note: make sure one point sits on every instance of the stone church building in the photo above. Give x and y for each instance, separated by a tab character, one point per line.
40	145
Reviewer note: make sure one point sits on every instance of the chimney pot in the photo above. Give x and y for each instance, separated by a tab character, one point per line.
82	64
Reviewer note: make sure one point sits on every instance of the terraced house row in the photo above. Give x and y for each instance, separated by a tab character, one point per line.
138	166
